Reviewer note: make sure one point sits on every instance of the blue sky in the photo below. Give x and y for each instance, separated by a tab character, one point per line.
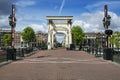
35	11
87	13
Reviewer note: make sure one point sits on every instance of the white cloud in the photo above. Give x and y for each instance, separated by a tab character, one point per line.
24	3
100	5
115	19
60	38
38	27
4	21
92	22
61	7
29	17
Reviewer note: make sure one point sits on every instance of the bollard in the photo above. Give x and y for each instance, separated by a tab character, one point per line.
96	52
108	54
92	50
14	54
22	53
11	54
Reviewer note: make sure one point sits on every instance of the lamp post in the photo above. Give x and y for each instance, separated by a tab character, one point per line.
12	23
106	23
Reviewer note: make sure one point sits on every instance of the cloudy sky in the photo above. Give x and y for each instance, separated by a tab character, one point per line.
87	13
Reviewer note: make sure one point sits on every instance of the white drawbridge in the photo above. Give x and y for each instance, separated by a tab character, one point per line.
59	24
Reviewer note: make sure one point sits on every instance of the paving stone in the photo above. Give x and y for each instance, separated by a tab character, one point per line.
60	64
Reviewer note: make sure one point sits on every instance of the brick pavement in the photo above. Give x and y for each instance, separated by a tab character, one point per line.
60	64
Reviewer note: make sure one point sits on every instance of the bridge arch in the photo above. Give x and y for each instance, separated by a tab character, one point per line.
59	24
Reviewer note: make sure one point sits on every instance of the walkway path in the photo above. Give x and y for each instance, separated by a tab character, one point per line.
60	64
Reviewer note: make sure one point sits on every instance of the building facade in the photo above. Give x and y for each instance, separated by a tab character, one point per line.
41	39
17	39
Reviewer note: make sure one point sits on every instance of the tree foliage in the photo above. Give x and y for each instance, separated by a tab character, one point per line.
28	35
6	39
77	34
115	39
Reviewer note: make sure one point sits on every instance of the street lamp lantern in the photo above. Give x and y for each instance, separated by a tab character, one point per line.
108	20
10	20
108	17
104	21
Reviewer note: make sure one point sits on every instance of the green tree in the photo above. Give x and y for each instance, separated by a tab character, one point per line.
77	34
97	42
115	39
112	40
6	40
28	35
